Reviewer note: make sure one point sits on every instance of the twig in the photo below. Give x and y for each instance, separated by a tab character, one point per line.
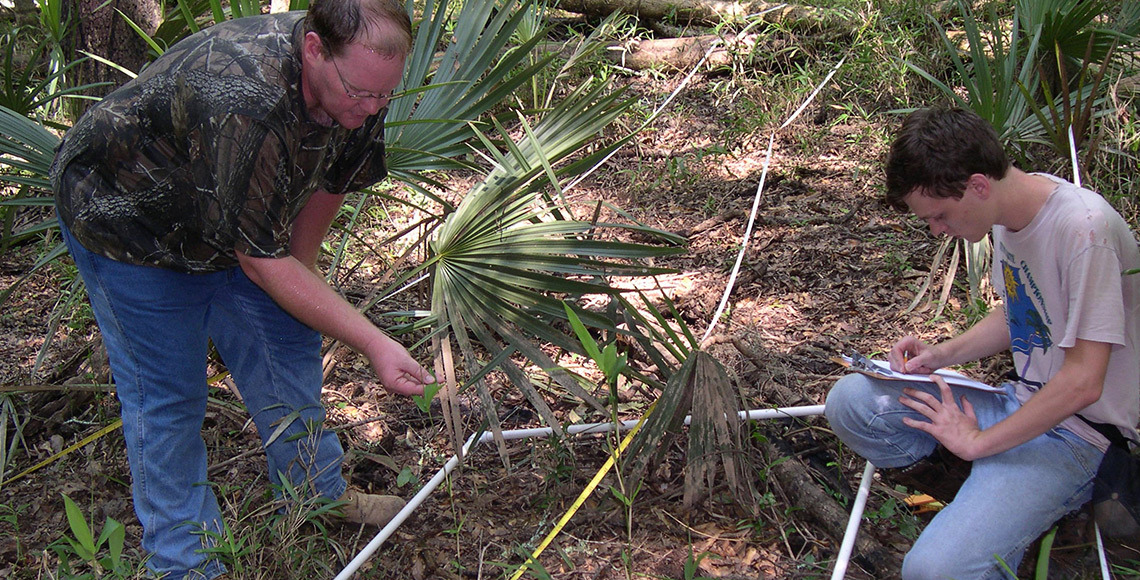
239	457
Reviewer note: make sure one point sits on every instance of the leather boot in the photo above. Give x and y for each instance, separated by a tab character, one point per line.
938	475
366	508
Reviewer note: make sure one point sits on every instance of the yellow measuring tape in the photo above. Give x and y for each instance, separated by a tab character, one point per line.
105	430
589	489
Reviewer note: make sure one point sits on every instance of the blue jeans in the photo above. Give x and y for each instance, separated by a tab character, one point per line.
156	326
1007	502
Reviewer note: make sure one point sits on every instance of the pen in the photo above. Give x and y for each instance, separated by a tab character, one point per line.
906	359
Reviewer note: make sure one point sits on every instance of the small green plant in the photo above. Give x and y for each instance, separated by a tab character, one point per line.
534	567
897	261
890	514
10	518
606	358
975	310
102	555
693	563
423	402
558	462
612	366
289	518
1128	569
1041	572
228	547
680	174
406	477
12	423
625	497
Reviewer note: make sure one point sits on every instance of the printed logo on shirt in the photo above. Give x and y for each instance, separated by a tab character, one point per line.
1027	328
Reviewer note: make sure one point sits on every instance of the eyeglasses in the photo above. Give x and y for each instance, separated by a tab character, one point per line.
357	95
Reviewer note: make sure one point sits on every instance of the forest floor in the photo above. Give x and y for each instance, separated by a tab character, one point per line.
828	269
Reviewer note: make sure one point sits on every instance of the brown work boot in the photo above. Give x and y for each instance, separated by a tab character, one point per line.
938	475
366	508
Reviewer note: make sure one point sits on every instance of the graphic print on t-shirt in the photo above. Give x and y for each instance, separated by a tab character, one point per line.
1027	328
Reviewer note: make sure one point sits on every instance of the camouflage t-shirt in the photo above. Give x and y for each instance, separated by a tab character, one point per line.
209	152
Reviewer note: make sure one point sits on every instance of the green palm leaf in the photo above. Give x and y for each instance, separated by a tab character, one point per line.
26	153
503	260
993	84
1070	26
431	127
27	149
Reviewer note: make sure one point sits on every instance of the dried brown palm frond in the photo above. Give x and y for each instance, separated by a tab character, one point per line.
715	447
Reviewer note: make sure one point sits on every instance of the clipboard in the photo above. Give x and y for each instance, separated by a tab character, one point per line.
880	369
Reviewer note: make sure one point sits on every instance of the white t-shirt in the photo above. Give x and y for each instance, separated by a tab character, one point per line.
1061	279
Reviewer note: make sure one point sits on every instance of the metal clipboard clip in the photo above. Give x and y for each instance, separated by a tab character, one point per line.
862	363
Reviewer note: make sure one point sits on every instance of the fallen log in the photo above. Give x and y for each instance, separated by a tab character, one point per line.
803	492
682	53
709	12
795	481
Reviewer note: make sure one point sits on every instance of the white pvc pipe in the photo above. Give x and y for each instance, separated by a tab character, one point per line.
853	524
1104	573
387	531
779	413
415	502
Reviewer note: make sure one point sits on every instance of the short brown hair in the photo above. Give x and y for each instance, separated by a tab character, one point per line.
937	150
342	22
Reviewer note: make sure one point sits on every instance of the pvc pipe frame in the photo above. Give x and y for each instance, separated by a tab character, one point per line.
845	547
387	531
853	523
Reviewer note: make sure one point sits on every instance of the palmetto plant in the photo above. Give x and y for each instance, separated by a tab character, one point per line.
503	258
188	16
696	384
1076	63
1077	34
501	261
996	76
33	89
1036	77
26	152
30	88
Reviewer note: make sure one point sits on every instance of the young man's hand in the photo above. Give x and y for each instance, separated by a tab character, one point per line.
955	428
912	356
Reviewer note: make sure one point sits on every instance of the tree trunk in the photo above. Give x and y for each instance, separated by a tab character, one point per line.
705	12
100	29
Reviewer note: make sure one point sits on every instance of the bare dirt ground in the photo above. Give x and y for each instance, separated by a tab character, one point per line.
829	268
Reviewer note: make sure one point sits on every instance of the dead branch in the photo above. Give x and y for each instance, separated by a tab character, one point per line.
799	486
683	53
802	491
55	408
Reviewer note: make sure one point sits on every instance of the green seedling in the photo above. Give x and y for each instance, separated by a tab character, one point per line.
405	477
424	401
607	358
84	546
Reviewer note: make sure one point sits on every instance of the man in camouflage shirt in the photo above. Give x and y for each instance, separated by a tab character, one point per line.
194	200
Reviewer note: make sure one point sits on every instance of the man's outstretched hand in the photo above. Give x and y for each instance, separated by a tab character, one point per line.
398	372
